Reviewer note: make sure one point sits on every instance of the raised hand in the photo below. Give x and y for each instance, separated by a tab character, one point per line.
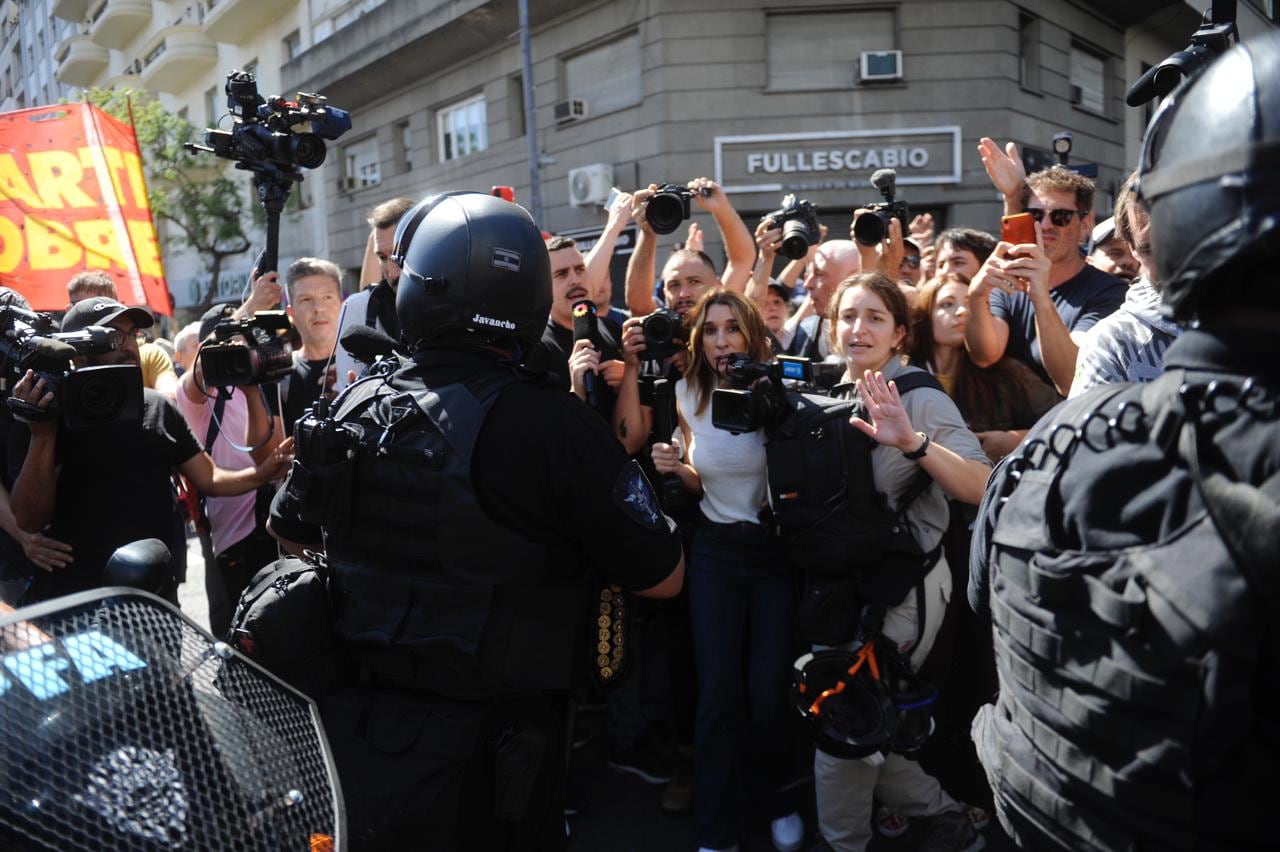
1005	167
889	424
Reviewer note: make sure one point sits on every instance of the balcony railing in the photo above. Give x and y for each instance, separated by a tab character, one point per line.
176	56
115	22
80	61
233	21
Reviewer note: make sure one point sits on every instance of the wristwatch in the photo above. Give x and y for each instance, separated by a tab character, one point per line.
918	452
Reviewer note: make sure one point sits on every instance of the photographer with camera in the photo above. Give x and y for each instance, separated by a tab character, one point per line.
238	432
917	434
102	489
1036	300
772	296
157	367
738	586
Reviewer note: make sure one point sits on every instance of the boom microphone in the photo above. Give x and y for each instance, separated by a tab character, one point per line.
367	344
587	327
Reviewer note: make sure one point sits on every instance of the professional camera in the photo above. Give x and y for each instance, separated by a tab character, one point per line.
758	397
809	376
663	330
83	398
264	356
668	207
799	223
870	227
276	132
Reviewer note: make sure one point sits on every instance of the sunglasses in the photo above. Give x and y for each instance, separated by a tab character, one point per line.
912	260
1059	216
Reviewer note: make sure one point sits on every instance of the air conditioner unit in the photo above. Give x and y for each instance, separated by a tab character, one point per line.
574	109
590	184
881	65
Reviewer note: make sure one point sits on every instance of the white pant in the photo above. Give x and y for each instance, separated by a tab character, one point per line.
845	788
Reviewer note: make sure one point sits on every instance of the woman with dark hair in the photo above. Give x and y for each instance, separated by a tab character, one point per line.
1004	398
919	431
740	595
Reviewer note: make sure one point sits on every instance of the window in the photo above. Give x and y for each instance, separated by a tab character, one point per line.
821	50
1029	52
462	128
607	76
361	164
515	105
404	144
212	109
1088	80
292	45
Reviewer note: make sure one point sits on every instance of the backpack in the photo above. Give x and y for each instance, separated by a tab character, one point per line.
284	623
850	546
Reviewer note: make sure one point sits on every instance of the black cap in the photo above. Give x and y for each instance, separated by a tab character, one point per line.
98	310
783	291
212	317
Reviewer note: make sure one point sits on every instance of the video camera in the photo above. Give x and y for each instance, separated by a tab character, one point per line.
870	227
799	223
662	329
83	398
274	133
669	206
758	398
266	355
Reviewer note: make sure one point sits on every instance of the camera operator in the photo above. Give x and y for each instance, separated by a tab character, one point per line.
225	417
156	365
100	490
21	552
374	306
1036	301
766	291
314	287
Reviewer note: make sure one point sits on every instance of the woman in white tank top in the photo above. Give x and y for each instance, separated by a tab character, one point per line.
740	592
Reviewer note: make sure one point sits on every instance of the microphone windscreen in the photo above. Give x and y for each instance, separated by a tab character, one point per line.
367	344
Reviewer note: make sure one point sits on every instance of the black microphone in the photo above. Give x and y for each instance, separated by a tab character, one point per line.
367	344
587	327
48	353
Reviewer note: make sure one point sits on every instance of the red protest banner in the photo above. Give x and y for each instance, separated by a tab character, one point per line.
72	197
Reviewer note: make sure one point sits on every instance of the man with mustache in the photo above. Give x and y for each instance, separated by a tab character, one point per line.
102	489
557	352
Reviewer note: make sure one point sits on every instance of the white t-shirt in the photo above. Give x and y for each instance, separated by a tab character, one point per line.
732	467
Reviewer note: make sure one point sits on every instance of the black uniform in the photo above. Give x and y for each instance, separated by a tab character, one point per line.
1134	628
461	587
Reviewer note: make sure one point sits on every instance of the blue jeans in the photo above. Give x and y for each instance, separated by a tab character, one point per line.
740	600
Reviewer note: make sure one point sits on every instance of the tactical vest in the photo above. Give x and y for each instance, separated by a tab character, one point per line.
429	592
1132	712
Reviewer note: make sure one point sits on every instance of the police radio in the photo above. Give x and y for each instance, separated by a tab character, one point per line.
323	462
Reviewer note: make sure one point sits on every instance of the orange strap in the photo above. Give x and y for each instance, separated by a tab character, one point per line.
866	654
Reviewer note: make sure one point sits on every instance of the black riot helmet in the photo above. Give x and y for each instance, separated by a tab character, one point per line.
1210	176
473	266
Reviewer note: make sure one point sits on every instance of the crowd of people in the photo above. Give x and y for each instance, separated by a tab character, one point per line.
1005	330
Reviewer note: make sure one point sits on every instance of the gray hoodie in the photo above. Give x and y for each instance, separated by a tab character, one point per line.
1127	346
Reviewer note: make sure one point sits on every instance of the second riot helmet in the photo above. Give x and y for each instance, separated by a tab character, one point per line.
471	264
1210	176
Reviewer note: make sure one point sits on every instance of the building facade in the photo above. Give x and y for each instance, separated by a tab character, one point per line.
808	97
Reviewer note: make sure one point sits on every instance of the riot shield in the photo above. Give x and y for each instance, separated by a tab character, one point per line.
125	726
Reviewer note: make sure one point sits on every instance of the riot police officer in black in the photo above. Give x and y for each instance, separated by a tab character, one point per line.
455	500
1127	551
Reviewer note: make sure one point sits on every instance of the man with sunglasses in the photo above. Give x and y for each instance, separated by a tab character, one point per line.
1036	301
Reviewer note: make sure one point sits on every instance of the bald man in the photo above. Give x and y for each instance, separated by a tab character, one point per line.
834	261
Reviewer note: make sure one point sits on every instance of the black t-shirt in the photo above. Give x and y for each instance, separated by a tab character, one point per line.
306	383
551	355
113	488
550	469
1081	301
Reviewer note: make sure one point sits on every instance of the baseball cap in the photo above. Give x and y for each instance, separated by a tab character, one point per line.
1102	232
212	317
98	310
781	289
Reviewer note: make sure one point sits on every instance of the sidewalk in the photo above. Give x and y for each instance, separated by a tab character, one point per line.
191	596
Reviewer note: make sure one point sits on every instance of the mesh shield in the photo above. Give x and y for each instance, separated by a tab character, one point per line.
124	726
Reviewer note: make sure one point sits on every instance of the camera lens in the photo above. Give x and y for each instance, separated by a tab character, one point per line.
657	329
665	212
869	228
795	239
308	150
97	397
